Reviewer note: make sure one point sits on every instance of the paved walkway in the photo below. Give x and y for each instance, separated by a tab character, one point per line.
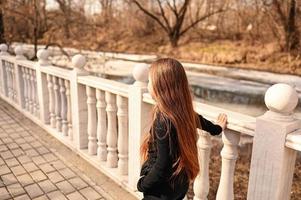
30	169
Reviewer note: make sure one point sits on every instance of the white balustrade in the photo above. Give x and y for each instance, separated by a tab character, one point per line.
112	129
29	83
36	98
32	84
25	84
123	138
109	121
201	183
57	105
229	155
91	102
101	125
69	113
51	101
63	106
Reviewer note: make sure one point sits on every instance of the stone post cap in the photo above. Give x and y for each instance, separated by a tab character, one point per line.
19	51
3	47
281	98
43	54
79	61
140	72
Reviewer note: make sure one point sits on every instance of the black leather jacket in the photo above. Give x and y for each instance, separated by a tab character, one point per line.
156	170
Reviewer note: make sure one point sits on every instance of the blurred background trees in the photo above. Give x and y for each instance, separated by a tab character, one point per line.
203	30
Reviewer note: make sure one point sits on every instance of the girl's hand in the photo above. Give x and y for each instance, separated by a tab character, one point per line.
222	120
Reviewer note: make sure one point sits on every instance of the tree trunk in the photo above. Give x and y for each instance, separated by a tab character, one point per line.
292	33
2	38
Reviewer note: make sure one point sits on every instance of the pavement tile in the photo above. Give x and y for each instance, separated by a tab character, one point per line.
58	164
75	196
18	152
46	168
50	157
31	152
3	148
25	179
67	173
78	183
56	195
30	167
65	187
9	179
4	170
89	193
11	162
38	176
22	197
55	177
47	186
6	154
12	146
42	150
24	159
38	160
33	190
4	194
16	190
18	170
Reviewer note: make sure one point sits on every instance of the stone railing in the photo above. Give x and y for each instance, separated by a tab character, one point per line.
104	122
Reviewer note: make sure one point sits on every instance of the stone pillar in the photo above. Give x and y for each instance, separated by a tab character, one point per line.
42	85
3	52
18	83
273	164
79	103
139	121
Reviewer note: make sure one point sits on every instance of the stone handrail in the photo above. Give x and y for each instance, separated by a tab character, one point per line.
104	122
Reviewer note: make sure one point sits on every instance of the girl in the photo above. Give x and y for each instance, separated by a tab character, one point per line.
169	151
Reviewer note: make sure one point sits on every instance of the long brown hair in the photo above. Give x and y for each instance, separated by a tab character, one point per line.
174	100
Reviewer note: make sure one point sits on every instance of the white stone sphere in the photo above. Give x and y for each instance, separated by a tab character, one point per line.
3	47
281	98
19	50
43	54
79	61
140	72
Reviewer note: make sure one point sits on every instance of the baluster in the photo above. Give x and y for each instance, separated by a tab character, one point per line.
112	129
91	101
25	87
63	107
51	101
122	114
57	103
30	103
36	99
229	155
101	125
8	79
201	183
14	91
69	113
33	92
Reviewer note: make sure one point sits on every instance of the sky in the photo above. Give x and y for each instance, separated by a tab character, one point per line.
91	7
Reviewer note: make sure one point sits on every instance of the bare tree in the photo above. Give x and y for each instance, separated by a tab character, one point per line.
2	38
284	13
65	7
174	26
33	13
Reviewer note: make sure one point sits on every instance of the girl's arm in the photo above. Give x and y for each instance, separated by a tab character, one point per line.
158	171
208	126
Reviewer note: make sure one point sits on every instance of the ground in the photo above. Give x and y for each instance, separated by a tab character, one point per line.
34	165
